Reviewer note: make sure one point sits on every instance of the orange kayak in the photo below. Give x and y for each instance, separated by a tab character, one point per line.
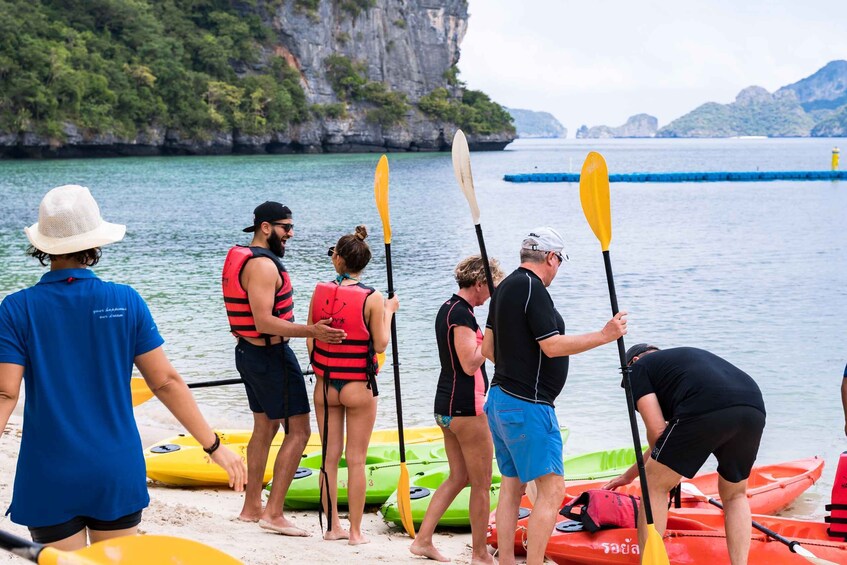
770	488
694	536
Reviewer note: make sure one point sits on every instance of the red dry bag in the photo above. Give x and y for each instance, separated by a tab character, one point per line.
602	509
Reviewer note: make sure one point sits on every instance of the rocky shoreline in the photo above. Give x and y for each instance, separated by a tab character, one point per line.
328	136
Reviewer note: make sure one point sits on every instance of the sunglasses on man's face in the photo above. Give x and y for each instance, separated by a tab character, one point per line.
285	227
330	251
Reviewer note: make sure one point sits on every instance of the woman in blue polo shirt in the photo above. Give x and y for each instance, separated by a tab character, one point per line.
72	339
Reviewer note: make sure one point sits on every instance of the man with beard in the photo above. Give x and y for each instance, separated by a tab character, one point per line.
258	297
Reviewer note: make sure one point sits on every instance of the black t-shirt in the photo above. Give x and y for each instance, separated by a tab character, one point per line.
522	314
456	393
690	381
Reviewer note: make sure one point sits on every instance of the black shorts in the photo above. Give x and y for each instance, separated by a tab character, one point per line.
731	434
273	379
50	534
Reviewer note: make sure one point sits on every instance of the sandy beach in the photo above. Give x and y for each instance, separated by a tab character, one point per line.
209	516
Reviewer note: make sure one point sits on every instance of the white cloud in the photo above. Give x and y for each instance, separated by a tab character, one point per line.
598	63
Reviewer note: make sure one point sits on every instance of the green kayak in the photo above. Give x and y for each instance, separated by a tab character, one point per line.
423	484
382	473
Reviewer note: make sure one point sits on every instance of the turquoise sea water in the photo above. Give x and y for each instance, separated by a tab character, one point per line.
755	272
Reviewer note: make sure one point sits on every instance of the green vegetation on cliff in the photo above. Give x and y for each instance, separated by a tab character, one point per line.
474	112
349	83
125	65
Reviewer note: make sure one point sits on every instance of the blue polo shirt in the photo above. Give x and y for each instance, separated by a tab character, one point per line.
76	337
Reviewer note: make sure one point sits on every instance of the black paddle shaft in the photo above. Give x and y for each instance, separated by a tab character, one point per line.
764	530
216	383
222	382
395	363
630	402
484	255
20	546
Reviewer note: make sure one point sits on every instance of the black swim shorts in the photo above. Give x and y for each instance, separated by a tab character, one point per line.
273	379
731	434
51	534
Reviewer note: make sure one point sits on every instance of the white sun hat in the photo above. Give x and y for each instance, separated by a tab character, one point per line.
69	221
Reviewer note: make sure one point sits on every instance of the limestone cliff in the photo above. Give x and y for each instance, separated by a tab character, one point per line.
400	91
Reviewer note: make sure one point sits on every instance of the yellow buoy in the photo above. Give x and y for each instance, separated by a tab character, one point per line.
835	153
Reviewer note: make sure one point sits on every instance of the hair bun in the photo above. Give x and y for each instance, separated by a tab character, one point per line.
361	232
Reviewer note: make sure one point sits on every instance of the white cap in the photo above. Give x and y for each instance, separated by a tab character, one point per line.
545	239
69	221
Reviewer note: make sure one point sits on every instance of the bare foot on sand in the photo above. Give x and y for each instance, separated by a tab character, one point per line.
251	513
248	518
426	549
284	527
480	560
336	533
358	539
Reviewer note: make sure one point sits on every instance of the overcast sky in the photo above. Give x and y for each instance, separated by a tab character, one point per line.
601	61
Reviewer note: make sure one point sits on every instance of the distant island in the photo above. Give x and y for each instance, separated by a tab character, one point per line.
639	125
532	124
815	106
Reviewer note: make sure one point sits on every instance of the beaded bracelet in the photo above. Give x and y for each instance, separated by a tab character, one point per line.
214	447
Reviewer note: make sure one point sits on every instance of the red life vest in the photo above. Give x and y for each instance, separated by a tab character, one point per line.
241	321
838	503
354	358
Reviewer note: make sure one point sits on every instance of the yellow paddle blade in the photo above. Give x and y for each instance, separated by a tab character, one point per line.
50	556
404	502
462	169
139	550
141	393
654	549
594	196
381	196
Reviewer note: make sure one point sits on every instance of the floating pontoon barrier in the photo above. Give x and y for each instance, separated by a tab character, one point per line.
686	177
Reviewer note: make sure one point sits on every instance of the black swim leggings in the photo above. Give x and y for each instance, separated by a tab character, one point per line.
50	534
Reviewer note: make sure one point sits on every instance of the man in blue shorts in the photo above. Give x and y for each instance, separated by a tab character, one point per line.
695	404
525	339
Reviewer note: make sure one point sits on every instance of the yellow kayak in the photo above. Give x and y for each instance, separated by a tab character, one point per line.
181	461
141	393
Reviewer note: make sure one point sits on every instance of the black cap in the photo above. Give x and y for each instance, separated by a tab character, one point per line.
637	350
268	212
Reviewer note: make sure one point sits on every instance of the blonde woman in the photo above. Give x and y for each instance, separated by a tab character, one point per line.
346	375
459	399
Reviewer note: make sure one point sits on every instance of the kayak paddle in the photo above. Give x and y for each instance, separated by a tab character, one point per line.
404	502
794	546
594	196
462	169
126	550
141	393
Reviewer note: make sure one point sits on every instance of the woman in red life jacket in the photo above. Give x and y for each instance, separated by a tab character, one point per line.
346	376
459	399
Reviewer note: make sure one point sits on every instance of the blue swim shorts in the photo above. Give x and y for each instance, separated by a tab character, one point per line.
527	441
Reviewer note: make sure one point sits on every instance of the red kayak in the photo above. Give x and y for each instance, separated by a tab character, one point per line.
694	536
770	488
